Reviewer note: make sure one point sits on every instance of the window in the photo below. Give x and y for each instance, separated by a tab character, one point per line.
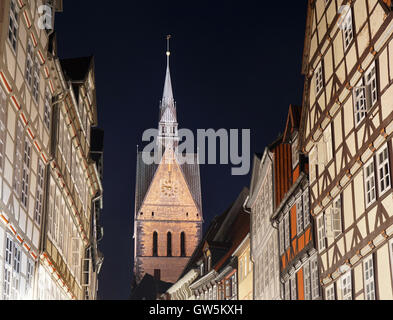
155	244
287	292
39	192
13	24
183	244
365	94
369	181
26	173
347	27
228	289
321	232
36	80
360	103
313	163
314	278
299	215
234	286
215	289
384	182
47	113
169	244
286	225
18	159
157	274
319	79
8	269
29	64
281	234
306	208
346	285
307	281
3	119
330	293
295	154
327	138
336	217
371	86
293	288
368	272
16	272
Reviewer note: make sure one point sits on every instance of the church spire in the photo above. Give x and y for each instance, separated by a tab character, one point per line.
168	118
168	107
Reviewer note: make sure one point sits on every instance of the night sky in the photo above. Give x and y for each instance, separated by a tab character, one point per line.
234	65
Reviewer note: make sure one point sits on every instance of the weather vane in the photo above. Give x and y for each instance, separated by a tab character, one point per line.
168	37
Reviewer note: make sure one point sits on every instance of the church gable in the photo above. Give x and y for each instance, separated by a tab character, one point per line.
168	191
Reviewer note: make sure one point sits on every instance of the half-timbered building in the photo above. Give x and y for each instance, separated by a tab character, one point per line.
298	258
263	237
346	132
47	179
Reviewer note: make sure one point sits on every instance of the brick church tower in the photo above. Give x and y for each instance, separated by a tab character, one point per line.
168	206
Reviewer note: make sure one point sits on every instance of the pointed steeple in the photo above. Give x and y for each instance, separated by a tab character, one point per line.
168	106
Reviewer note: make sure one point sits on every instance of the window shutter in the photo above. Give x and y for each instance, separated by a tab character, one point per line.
313	162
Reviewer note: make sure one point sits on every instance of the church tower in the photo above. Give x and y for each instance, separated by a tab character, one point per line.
168	206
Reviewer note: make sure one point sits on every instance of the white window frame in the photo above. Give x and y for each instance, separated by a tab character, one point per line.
13	26
3	126
359	94
330	293
26	173
314	278
346	285
370	183
347	29
328	140
295	154
383	171
287	291
307	281
293	288
321	232
306	208
29	64
371	86
281	236
368	277
39	192
299	216
47	111
313	163
336	217
319	78
286	231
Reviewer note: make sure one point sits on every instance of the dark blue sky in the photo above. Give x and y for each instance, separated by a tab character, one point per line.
234	64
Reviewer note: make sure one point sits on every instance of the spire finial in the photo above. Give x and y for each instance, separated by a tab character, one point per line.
168	52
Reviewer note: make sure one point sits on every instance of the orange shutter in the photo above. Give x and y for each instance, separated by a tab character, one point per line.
300	284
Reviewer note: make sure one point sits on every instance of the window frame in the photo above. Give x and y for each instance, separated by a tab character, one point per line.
386	175
369	278
14	28
346	288
370	178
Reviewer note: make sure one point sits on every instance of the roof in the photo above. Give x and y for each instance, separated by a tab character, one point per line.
76	69
293	121
145	174
224	234
149	288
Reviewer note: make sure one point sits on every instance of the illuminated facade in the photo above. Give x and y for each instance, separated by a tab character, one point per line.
347	129
48	180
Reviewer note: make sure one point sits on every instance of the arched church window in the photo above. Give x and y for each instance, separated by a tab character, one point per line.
169	244
155	244
183	244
